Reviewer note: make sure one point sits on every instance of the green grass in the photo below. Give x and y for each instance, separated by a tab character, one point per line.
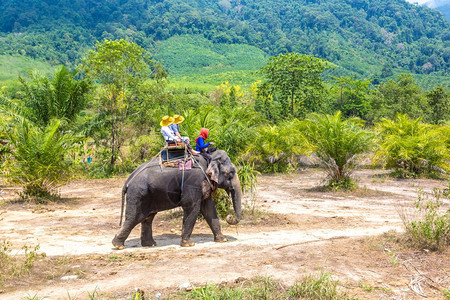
320	286
427	225
194	59
12	66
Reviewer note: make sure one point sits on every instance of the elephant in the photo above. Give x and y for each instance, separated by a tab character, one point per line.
153	188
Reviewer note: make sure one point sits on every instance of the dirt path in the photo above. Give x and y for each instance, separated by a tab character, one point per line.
302	230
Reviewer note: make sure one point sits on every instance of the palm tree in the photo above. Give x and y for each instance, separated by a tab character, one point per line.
62	97
337	143
275	147
38	159
411	147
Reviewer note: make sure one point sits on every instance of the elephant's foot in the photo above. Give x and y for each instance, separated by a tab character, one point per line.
151	243
220	239
117	244
187	243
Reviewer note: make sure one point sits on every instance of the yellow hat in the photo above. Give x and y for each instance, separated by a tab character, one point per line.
166	121
178	119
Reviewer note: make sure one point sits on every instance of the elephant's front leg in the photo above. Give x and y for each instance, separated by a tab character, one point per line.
191	212
209	212
146	232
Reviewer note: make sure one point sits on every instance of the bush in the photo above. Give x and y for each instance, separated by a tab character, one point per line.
428	224
337	144
38	159
413	148
276	147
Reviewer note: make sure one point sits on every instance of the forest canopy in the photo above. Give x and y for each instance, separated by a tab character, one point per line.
367	38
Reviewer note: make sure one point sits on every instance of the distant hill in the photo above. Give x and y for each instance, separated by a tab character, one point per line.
441	5
364	37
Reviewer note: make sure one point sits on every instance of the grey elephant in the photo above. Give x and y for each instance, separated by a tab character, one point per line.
152	188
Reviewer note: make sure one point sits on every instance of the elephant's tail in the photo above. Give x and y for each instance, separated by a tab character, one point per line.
124	192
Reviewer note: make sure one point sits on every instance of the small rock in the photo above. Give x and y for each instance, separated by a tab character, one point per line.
240	279
158	295
185	286
69	277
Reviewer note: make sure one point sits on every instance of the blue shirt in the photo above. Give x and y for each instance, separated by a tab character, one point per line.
200	144
175	127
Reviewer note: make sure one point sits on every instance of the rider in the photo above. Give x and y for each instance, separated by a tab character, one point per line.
167	132
202	147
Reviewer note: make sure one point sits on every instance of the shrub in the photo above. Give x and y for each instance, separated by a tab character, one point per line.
38	158
337	144
428	224
275	147
15	265
411	147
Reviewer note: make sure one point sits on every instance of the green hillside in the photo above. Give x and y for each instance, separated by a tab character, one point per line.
204	38
192	57
13	66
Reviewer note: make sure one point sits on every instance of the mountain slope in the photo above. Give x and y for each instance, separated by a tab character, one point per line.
362	36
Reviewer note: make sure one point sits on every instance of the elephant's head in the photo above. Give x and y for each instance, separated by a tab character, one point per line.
222	171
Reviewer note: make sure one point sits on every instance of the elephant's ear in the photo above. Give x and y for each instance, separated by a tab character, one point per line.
213	171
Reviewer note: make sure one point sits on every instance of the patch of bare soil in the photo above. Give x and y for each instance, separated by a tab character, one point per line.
299	230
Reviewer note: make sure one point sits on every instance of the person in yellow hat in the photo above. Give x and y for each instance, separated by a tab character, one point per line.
175	126
166	130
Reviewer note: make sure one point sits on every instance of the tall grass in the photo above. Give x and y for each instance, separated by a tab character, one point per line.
427	224
317	287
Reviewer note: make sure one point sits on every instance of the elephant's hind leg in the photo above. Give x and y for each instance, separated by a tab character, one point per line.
146	232
119	239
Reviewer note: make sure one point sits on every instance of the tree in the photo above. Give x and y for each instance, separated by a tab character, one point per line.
337	143
275	147
439	102
38	159
353	100
62	97
295	79
400	95
121	68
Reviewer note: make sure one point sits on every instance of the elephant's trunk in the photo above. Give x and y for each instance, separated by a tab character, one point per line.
236	196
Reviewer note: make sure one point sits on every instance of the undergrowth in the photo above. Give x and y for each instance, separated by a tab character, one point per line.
427	224
320	286
15	265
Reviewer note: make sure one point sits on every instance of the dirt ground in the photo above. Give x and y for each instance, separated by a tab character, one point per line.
297	230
